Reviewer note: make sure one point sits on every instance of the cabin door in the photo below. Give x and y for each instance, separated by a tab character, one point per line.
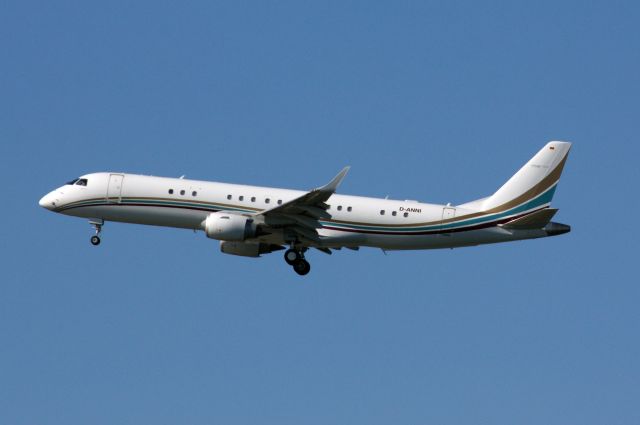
448	213
114	189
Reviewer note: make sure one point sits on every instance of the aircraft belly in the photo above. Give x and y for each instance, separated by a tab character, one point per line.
433	241
335	238
155	216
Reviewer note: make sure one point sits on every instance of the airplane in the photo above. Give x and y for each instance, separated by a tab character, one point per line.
251	220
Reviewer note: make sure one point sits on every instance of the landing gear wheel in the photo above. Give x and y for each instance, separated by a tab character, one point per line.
291	256
97	224
302	267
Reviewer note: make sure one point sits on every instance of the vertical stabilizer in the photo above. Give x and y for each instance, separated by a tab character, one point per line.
534	183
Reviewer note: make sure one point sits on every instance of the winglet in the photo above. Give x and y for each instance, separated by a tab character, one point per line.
333	184
311	202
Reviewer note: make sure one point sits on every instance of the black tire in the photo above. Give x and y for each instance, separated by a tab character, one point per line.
302	267
291	256
95	240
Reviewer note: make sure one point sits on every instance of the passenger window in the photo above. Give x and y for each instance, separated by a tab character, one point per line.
170	191
406	214
266	201
339	207
279	201
394	213
194	193
229	197
381	212
241	198
182	192
253	199
349	209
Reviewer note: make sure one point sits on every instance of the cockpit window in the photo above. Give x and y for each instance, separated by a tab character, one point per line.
77	182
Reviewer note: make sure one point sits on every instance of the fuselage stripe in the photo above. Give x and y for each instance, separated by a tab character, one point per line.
542	201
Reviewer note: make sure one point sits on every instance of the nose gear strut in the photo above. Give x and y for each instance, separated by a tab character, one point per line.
97	225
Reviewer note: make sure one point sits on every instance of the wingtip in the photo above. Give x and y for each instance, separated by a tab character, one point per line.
343	173
333	184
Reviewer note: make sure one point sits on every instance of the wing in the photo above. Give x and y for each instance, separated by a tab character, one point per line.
299	218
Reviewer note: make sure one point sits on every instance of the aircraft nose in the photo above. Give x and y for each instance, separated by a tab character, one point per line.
48	201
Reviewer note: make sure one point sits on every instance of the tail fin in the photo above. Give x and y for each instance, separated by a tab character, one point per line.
535	183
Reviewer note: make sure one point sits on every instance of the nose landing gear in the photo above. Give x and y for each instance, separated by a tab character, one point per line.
97	225
295	258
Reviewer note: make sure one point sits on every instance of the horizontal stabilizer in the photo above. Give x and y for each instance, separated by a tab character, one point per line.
535	220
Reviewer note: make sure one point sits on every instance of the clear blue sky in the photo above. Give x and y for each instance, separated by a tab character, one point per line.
436	101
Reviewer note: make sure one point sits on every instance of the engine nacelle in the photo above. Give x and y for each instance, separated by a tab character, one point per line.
247	249
229	226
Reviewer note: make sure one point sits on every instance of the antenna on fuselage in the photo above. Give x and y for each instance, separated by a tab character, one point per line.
182	177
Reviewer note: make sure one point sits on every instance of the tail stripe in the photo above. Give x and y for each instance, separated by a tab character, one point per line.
550	180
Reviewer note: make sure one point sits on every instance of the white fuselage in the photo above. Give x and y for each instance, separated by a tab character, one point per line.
354	220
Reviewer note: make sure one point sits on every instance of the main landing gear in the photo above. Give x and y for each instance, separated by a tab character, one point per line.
295	258
97	225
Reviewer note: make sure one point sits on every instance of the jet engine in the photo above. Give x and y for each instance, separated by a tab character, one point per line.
229	226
